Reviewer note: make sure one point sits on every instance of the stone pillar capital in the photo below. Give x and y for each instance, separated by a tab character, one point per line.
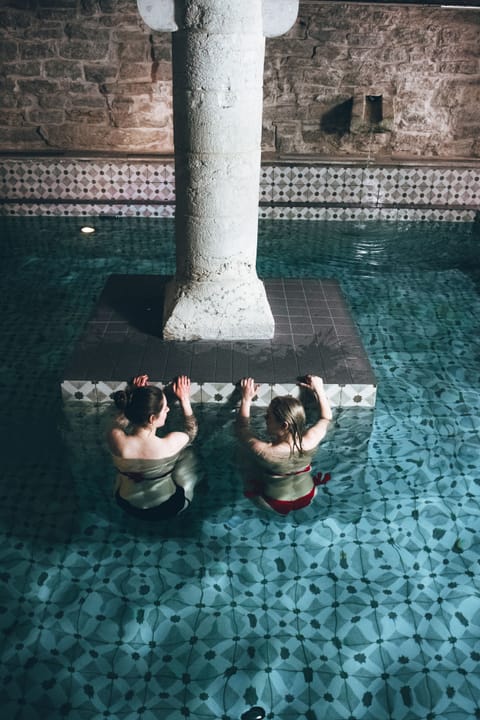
278	16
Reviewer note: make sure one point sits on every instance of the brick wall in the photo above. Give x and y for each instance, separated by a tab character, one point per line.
83	76
348	81
375	81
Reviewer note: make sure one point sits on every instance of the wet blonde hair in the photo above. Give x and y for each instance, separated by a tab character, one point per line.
289	412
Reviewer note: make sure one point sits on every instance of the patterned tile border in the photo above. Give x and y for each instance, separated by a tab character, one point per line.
365	214
86	209
146	188
267	213
99	393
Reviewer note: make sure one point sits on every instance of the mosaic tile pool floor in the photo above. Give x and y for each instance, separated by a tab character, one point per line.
364	606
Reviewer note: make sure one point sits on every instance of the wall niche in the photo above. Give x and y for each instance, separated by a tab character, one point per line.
372	111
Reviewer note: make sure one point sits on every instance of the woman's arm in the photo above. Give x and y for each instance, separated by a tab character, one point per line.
248	388
317	432
182	388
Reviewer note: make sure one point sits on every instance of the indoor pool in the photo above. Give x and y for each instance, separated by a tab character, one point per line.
364	606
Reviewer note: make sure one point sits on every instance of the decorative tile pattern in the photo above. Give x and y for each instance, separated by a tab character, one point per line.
79	390
104	390
266	184
98	393
76	186
357	213
285	389
358	396
212	392
363	605
87	209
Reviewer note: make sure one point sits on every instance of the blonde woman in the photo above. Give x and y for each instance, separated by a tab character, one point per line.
282	479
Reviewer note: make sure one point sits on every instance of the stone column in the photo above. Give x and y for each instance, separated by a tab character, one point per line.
218	54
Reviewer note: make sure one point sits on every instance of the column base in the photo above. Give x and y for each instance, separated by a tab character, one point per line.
226	310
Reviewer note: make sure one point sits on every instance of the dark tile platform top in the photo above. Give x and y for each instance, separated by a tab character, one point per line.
314	333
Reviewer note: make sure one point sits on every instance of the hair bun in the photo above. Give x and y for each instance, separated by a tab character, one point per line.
122	398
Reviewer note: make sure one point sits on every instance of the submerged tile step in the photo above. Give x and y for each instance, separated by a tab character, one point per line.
314	333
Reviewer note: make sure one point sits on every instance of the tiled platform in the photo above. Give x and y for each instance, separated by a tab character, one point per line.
314	333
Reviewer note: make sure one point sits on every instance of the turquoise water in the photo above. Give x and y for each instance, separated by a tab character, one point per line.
365	605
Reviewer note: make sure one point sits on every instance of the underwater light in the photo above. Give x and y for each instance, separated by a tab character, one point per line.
87	229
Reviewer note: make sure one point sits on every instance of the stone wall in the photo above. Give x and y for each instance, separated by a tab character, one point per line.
83	75
348	81
375	81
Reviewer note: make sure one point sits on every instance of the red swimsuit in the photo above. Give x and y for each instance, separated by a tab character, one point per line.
285	506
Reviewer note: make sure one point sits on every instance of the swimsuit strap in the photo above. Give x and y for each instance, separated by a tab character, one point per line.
139	477
298	472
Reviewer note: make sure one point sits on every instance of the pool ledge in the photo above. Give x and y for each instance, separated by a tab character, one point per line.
314	333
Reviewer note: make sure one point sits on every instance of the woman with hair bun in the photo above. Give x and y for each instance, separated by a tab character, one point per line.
156	475
282	480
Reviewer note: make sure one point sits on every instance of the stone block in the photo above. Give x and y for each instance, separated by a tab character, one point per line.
46	117
459	67
226	186
136	51
83	30
63	69
10	117
128	88
115	6
8	51
108	138
218	310
36	51
218	121
161	51
208	254
268	137
37	87
141	72
281	111
10	17
84	50
214	63
286	47
86	99
99	75
16	138
45	32
55	101
88	115
25	69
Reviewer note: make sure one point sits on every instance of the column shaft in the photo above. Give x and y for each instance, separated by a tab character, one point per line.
218	55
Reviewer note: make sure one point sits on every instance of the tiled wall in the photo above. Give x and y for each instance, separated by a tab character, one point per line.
78	393
343	192
289	190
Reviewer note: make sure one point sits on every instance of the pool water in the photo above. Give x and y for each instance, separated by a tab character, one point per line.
365	605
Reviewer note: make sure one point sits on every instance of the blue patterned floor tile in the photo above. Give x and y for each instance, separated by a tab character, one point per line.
362	606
